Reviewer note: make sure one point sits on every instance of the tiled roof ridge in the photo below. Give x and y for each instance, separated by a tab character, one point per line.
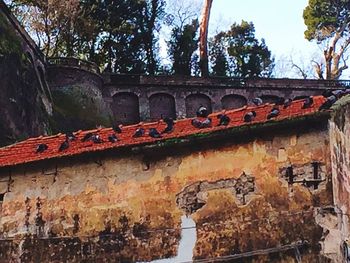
25	151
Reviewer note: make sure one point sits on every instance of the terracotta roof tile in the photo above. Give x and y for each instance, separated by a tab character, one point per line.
25	151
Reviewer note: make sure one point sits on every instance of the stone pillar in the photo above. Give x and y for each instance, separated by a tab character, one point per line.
145	114
180	107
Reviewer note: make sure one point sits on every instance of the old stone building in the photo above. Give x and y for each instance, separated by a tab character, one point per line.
269	190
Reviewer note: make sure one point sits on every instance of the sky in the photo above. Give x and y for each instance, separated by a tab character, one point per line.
279	22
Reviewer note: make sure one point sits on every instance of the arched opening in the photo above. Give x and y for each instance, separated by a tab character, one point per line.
233	102
194	101
162	105
125	108
270	99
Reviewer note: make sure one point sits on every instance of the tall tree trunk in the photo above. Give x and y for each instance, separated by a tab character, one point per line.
203	38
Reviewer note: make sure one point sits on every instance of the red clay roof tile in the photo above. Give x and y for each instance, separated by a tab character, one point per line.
25	151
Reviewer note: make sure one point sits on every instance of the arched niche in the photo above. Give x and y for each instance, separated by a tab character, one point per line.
162	105
194	101
270	99
233	102
125	107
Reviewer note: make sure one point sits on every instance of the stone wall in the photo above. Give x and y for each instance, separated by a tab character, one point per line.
188	93
25	97
244	195
134	98
78	99
340	149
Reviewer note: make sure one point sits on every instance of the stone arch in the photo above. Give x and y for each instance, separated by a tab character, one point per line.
233	101
270	98
194	101
126	108
162	105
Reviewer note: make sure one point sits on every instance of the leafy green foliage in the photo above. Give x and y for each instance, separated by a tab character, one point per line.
324	17
327	23
218	56
119	35
247	56
182	45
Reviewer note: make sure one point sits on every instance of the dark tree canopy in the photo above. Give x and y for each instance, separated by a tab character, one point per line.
218	56
248	57
119	35
327	23
183	43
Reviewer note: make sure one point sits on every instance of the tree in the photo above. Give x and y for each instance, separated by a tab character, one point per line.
182	45
119	35
203	38
182	12
218	55
243	54
327	23
53	24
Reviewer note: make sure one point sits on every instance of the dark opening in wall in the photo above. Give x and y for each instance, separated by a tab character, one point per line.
233	102
162	105
194	101
270	99
1	201
125	107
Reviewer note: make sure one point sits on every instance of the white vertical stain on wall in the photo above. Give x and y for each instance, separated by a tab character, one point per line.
187	242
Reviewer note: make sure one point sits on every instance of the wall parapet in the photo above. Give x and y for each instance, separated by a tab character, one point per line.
75	63
145	80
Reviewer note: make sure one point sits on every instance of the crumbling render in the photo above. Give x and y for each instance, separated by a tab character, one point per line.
191	198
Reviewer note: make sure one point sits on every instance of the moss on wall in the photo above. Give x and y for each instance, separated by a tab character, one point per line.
74	110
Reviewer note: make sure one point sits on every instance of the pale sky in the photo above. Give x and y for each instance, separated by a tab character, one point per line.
279	22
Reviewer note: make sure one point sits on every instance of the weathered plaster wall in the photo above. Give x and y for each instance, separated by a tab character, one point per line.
340	150
121	207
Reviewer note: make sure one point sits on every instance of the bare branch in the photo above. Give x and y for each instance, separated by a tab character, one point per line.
318	69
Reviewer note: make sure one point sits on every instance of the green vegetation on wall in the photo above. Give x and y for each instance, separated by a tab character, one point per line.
74	110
